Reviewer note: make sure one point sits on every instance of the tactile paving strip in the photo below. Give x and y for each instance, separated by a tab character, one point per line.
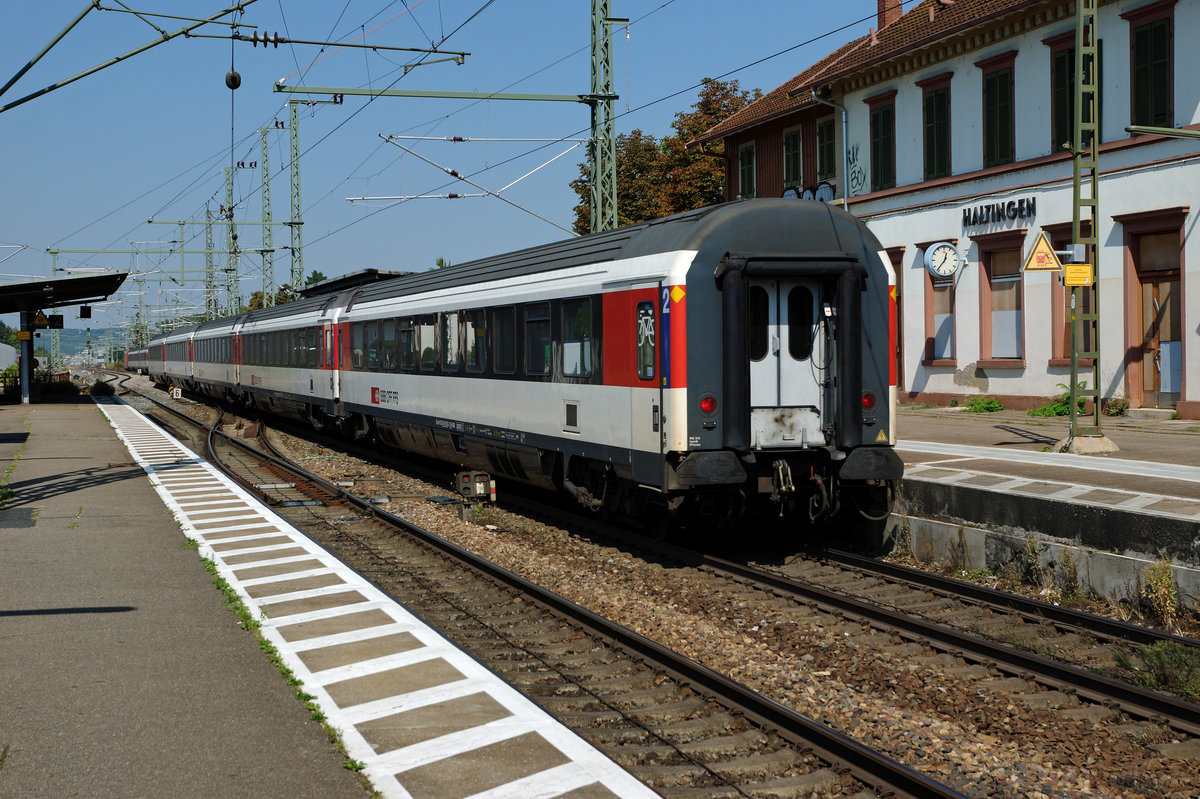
429	721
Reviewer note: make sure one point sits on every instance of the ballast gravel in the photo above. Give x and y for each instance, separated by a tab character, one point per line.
979	741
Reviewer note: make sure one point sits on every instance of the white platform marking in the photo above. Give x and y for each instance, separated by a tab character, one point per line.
178	473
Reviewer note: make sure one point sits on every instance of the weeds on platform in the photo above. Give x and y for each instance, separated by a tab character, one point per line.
1061	405
983	405
248	622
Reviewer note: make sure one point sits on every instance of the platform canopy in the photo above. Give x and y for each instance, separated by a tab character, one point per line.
53	292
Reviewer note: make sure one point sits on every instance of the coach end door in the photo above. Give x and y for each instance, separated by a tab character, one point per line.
787	363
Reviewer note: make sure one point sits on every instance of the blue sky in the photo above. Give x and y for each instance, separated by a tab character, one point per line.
86	165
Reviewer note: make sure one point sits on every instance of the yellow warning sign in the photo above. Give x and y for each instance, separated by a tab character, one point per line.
677	293
1077	275
40	320
24	335
882	438
1042	257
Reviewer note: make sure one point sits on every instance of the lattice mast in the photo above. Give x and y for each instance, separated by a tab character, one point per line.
1086	197
602	147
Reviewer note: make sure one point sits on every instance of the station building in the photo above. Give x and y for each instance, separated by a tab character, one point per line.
946	125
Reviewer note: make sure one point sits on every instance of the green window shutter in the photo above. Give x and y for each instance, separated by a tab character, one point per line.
792	159
1152	102
883	148
937	133
1063	99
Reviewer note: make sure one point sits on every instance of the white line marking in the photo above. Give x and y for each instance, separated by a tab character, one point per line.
1059	459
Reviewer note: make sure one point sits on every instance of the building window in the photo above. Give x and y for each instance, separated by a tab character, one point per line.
936	125
939	320
792	172
1001	298
746	171
1004	279
826	165
1150	67
883	140
998	123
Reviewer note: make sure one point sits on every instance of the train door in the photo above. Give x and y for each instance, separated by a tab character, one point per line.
647	415
788	354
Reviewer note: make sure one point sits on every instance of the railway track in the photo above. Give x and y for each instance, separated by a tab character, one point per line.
680	727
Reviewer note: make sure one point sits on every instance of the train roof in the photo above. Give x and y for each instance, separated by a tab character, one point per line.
768	225
761	226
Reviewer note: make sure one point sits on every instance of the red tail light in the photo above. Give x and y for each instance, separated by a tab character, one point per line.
708	405
868	401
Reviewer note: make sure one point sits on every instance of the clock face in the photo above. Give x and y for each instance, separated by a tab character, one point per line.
943	260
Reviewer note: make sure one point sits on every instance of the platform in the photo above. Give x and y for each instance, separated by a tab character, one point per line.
986	487
424	719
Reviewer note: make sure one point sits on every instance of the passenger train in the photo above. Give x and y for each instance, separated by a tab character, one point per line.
686	368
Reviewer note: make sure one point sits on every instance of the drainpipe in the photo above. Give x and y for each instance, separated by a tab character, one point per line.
845	151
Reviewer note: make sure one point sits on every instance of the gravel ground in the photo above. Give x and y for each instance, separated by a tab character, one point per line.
981	742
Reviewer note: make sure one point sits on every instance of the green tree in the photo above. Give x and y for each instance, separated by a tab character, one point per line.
314	277
8	336
694	179
659	178
441	263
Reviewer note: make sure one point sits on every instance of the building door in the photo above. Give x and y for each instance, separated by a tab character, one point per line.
1161	316
787	357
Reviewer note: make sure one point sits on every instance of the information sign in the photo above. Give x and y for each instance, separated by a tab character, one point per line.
1077	275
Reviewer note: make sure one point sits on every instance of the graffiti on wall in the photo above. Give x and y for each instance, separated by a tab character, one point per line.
858	177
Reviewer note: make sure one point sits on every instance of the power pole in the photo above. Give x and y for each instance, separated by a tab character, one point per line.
296	224
603	147
232	295
268	248
211	310
601	153
1086	195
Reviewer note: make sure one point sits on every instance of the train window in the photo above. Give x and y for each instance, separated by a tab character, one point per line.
645	340
760	332
504	340
577	338
328	346
428	341
372	334
389	344
408	346
800	323
474	340
450	346
314	347
357	335
537	339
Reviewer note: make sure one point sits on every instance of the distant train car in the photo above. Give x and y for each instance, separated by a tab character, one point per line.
136	361
688	367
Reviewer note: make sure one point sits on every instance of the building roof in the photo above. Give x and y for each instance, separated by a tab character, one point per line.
38	295
924	24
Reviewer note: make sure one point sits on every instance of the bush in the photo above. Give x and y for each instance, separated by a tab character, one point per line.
984	405
1115	406
1061	405
102	388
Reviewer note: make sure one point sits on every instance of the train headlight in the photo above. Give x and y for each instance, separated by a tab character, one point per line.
708	405
868	401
